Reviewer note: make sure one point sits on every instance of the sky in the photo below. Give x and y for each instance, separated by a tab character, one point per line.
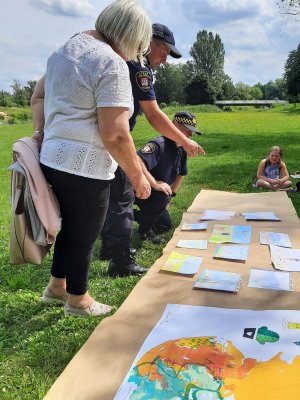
257	38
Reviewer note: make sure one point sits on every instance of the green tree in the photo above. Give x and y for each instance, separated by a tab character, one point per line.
292	74
290	7
6	99
169	83
242	91
256	93
207	64
228	89
19	94
29	88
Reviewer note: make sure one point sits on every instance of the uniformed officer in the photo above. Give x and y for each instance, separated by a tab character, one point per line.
117	229
165	162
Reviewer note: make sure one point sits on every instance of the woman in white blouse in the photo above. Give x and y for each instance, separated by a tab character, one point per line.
81	109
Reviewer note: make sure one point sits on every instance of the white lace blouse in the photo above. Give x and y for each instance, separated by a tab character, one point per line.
82	75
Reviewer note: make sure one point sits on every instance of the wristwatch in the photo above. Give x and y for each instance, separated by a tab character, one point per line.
40	132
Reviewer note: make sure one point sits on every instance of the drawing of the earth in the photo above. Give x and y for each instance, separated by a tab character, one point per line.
203	368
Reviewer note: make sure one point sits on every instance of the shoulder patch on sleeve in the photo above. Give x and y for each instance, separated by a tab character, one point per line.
148	148
144	80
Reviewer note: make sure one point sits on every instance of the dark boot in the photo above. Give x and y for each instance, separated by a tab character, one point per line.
106	253
123	264
150	236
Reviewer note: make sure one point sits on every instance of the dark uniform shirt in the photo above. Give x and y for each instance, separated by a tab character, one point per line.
142	87
164	160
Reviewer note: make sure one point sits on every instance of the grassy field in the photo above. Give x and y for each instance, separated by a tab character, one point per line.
36	341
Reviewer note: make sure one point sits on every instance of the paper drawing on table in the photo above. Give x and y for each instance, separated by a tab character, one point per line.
218	280
239	234
267	279
182	264
275	238
197	352
194	226
260	216
216	215
236	252
192	244
285	259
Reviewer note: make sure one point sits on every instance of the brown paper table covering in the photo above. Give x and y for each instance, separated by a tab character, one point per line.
98	369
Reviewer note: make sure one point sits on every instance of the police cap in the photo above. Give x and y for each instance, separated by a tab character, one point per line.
163	33
188	120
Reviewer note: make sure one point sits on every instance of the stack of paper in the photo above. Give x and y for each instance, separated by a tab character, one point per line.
182	264
192	244
260	216
285	259
194	227
239	253
275	238
265	279
231	234
218	280
216	215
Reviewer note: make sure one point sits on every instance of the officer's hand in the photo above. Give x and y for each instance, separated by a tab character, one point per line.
141	187
193	148
161	186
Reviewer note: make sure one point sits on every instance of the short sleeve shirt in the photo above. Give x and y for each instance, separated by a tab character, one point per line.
164	160
142	87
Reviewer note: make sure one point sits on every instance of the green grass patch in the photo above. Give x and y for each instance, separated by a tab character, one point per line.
36	341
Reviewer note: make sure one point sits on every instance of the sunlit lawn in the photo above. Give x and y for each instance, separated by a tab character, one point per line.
36	341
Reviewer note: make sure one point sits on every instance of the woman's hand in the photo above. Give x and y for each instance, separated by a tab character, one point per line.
141	187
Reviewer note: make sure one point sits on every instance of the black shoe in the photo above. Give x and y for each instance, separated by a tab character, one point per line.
124	264
151	237
106	253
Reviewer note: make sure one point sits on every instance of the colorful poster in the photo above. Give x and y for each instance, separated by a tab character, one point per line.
208	353
261	216
182	263
218	280
192	244
266	279
275	238
239	253
240	234
216	215
285	259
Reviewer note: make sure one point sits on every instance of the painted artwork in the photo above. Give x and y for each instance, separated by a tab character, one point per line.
235	252
192	244
216	215
239	234
218	280
266	279
275	238
196	226
285	259
182	263
207	353
261	216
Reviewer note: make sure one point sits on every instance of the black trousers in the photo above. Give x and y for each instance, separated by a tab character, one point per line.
116	232
151	209
83	204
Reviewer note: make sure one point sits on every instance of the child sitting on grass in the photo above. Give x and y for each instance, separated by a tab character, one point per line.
272	173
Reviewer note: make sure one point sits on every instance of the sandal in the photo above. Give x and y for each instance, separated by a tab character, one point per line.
95	309
49	297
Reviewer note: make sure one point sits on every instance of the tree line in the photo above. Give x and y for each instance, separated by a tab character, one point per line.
201	80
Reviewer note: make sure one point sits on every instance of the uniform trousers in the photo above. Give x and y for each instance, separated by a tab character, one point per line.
116	232
83	205
151	209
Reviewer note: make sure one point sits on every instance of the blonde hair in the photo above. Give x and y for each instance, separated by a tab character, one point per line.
126	24
274	148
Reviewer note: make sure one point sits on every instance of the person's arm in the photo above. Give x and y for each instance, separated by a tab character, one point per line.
284	174
162	124
37	107
114	131
160	186
176	184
